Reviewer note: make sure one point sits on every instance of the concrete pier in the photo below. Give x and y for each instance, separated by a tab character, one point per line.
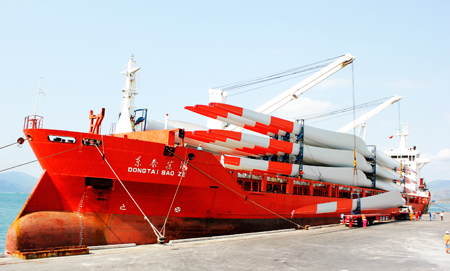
397	245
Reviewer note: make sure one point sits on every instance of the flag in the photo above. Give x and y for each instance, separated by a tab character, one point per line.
391	137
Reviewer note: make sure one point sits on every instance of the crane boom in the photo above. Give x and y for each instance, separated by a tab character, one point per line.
300	88
370	114
305	85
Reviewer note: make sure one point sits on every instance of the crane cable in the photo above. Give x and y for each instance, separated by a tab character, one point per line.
275	75
355	170
345	110
244	91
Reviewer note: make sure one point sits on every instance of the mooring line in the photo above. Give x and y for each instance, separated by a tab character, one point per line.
40	159
9	145
183	170
243	196
157	233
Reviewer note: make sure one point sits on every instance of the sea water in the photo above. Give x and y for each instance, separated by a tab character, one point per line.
10	206
438	207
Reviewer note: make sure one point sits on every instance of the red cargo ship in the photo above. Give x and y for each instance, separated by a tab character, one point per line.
148	186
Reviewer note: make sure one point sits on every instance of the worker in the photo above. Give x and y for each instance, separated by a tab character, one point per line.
442	216
342	217
350	222
430	215
447	243
420	215
200	147
411	216
364	222
417	216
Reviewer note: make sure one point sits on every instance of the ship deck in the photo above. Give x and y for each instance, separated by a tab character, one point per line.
396	245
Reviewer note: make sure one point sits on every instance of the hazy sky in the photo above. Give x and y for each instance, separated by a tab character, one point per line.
186	47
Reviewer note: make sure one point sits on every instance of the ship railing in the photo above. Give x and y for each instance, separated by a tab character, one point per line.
33	122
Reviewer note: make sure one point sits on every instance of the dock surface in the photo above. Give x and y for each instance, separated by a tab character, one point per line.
397	245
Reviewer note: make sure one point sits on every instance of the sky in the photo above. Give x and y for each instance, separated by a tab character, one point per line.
185	48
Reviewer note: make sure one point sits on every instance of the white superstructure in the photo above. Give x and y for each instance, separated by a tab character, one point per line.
409	157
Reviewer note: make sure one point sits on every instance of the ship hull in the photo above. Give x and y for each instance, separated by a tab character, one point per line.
98	195
56	229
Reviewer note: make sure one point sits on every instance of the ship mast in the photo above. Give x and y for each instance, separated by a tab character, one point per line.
127	115
403	134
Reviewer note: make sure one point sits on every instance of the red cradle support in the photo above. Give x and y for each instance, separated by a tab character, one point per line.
96	121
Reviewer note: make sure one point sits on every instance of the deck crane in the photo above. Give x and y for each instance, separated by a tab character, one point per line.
217	95
360	121
300	88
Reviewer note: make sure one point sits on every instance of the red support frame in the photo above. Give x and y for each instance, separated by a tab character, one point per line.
328	190
96	121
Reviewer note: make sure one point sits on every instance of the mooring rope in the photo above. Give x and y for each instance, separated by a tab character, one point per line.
243	196
441	207
183	170
19	141
157	233
39	159
9	145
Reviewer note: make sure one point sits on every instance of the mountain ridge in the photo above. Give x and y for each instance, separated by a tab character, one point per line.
17	182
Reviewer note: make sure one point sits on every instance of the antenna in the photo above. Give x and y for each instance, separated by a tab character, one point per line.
37	96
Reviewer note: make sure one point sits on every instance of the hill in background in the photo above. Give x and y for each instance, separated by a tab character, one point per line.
439	189
17	182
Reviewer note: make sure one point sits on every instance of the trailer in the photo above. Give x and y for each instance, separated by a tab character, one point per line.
357	220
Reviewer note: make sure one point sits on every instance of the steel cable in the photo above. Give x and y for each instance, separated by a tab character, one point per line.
271	76
243	196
